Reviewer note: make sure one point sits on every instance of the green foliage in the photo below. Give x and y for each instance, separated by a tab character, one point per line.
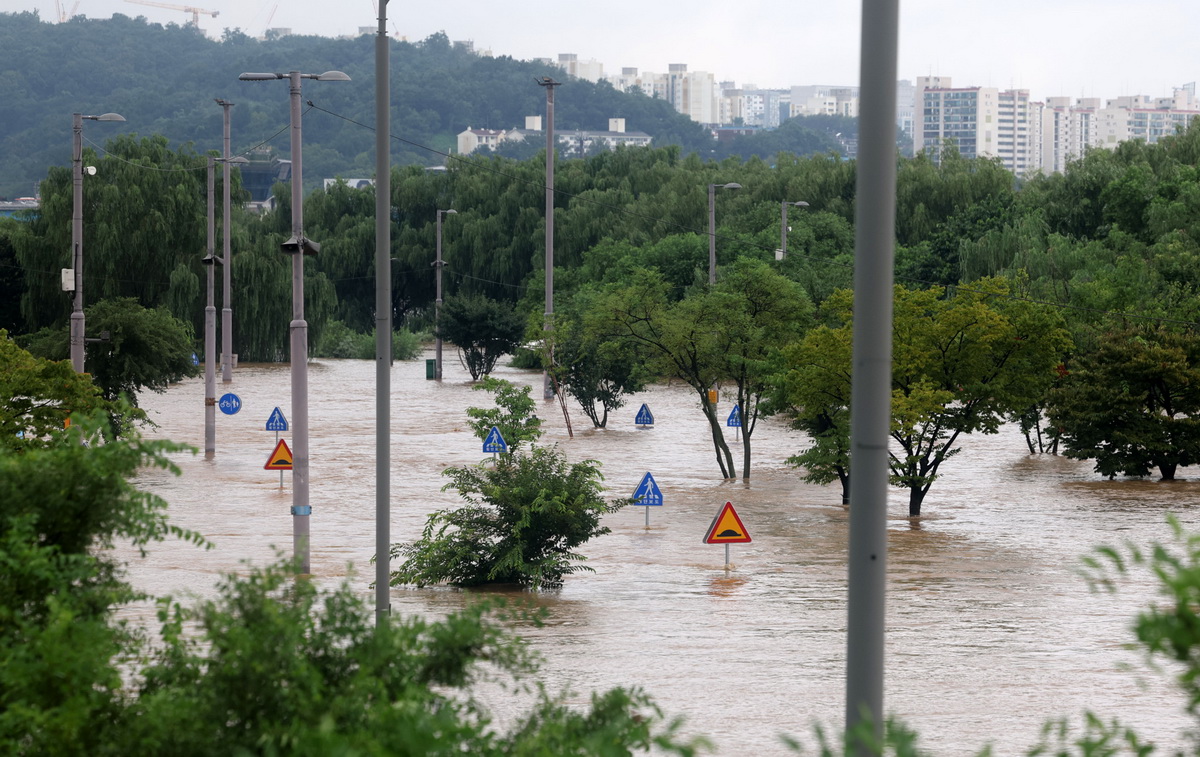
483	329
339	341
524	518
513	414
62	506
961	364
38	395
1132	404
596	371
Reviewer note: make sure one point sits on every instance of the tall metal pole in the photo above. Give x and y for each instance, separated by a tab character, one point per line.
298	246
548	323
77	320
226	257
712	234
437	302
870	394
301	510
712	228
383	322
78	326
210	328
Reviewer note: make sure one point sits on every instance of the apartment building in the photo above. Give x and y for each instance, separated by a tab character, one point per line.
573	142
981	122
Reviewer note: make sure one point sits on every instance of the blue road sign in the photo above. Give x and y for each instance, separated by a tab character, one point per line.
647	492
644	416
735	418
495	441
229	403
277	422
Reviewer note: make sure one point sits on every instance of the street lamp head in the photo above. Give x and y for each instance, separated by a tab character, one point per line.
236	160
731	185
296	244
448	211
89	170
798	204
260	77
221	101
332	76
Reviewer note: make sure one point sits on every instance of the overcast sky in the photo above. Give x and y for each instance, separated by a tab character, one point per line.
1078	48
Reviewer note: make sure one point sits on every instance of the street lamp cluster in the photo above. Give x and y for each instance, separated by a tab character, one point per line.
298	246
712	226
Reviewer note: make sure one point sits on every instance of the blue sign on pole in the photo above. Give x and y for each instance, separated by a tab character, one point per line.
495	441
644	416
277	422
229	403
735	418
647	492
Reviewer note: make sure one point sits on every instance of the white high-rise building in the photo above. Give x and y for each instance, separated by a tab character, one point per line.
981	122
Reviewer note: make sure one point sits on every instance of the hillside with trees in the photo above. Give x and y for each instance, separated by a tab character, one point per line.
163	80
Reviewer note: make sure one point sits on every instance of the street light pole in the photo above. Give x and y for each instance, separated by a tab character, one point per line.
297	246
77	319
437	303
226	258
210	329
712	228
783	227
548	324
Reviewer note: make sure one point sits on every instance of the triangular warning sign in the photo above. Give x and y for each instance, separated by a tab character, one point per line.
727	528
281	458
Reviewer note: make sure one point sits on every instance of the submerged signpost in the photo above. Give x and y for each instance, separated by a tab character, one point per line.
648	494
727	528
644	417
277	422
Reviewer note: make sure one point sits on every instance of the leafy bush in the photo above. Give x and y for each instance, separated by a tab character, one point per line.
525	517
340	341
513	414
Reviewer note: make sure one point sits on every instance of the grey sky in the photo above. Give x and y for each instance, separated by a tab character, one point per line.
1098	48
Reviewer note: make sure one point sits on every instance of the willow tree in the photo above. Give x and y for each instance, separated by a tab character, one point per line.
144	236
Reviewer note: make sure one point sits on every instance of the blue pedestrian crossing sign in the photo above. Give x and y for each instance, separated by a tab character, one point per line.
229	403
735	417
644	416
495	441
277	422
647	492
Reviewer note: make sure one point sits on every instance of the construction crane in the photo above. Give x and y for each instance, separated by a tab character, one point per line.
65	15
185	8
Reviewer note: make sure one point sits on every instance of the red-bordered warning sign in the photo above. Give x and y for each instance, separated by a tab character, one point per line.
727	528
281	458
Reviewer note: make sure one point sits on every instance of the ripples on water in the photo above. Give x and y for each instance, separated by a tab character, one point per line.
990	629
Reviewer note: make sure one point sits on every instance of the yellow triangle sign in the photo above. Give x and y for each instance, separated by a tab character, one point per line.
727	528
281	458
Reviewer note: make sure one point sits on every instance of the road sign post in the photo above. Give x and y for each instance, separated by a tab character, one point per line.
727	528
277	422
494	443
648	494
230	403
644	416
734	421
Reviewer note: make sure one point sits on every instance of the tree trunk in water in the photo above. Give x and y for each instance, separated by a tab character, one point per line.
724	456
915	497
1167	470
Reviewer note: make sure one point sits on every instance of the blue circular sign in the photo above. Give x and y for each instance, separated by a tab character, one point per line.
229	403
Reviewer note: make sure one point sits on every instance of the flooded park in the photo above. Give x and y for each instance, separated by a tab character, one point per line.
991	631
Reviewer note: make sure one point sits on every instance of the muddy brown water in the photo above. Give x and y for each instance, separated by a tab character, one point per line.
991	631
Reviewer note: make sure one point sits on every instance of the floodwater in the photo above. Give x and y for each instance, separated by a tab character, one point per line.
990	629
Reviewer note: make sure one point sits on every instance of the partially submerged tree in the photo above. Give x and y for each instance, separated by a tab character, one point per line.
483	329
960	364
1133	404
526	514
